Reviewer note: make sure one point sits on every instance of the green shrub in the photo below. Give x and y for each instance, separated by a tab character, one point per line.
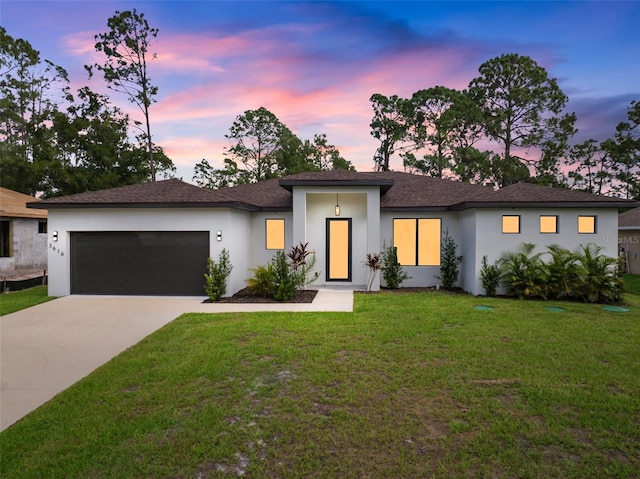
392	271
490	277
522	273
449	262
216	276
598	278
560	273
285	280
262	283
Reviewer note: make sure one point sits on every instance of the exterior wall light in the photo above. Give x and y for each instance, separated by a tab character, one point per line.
55	236
219	235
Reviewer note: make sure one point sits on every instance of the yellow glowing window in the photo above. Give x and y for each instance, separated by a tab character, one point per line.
429	242
275	233
418	241
549	224
511	224
404	238
587	224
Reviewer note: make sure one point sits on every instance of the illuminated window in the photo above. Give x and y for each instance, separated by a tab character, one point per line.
274	233
418	241
587	224
549	224
511	224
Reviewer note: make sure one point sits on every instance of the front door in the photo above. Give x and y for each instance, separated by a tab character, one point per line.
339	249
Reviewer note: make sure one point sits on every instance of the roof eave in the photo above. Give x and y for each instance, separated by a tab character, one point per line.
543	204
173	205
384	184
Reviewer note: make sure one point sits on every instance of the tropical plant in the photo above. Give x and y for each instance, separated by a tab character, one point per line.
522	272
560	273
598	279
392	271
375	264
302	262
490	277
216	276
449	262
262	283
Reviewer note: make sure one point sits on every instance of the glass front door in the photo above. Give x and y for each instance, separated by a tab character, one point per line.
339	249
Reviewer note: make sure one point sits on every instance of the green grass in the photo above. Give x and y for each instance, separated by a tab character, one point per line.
17	300
408	385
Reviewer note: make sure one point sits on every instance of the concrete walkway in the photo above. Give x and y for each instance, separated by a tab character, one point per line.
46	348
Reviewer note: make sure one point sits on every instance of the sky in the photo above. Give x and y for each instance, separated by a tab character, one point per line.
316	64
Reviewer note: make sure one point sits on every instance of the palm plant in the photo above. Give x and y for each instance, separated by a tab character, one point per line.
522	272
560	273
598	278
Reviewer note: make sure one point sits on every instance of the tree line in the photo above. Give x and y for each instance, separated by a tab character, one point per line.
517	108
55	142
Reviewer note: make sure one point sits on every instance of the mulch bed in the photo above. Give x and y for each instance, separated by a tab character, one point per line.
245	296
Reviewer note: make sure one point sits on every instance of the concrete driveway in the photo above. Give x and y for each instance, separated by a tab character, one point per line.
46	348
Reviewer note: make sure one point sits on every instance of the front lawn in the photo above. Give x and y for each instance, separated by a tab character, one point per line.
17	300
409	385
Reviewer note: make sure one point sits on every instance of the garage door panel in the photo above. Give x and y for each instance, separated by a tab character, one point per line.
142	263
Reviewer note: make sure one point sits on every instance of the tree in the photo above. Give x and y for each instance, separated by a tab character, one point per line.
126	47
519	102
624	151
263	148
28	104
592	167
389	125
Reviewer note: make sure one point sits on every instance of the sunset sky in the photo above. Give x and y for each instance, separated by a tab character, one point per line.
316	64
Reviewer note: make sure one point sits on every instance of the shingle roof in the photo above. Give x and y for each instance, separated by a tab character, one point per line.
530	195
164	193
13	205
630	218
400	191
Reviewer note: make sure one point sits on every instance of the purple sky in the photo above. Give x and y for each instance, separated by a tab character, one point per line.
315	64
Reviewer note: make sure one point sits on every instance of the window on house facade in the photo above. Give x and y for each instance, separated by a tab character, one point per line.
274	233
5	238
511	224
586	224
418	241
42	226
549	224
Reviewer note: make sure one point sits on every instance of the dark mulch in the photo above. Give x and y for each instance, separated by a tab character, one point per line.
246	296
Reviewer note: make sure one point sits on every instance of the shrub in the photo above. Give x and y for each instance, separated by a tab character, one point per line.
374	263
392	271
490	277
449	262
284	278
560	273
598	277
216	276
262	283
302	263
522	273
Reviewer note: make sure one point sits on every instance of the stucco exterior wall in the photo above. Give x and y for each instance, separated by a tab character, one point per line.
234	225
490	240
28	247
424	276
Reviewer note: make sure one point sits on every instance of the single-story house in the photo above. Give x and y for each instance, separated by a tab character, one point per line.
629	239
155	238
23	234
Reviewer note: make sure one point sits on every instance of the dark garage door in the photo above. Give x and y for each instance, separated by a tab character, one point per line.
139	262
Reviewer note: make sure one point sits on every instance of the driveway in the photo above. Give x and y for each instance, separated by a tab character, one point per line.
46	348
